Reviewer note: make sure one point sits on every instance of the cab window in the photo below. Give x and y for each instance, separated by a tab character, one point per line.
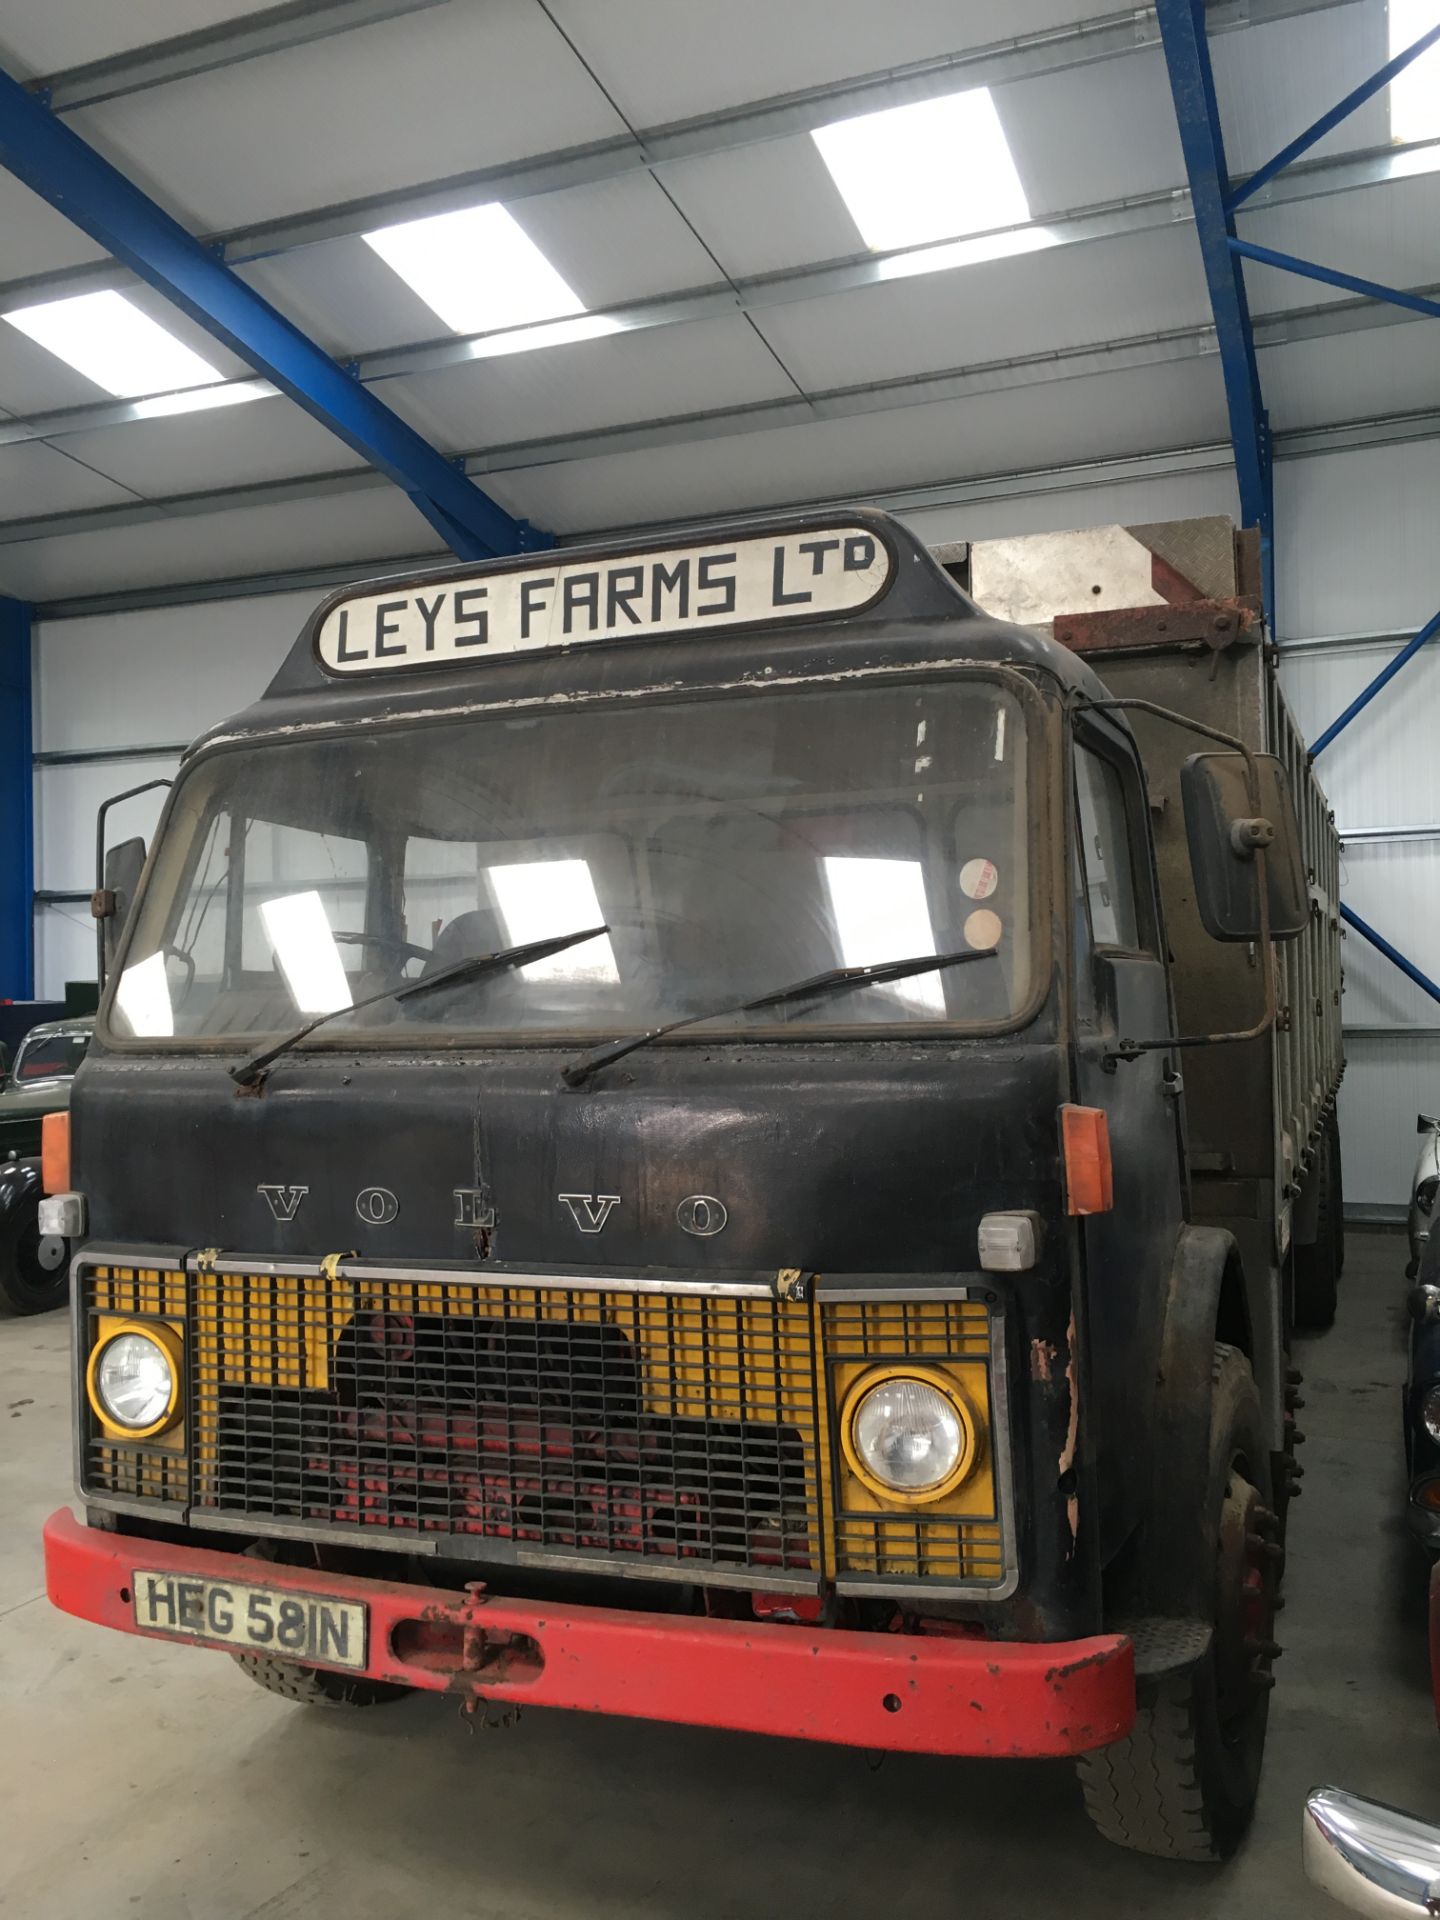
1105	843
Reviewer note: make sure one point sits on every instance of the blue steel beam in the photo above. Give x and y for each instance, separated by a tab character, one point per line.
17	806
1328	121
1382	679
1182	29
54	162
1382	945
1333	277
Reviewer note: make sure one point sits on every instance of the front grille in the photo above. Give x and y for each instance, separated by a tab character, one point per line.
635	1425
682	1431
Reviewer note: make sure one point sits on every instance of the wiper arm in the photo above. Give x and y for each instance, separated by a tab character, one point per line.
252	1073
819	986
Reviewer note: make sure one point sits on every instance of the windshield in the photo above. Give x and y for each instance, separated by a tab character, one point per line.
726	845
50	1056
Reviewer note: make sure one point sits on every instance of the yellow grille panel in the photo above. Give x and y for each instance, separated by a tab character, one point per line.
155	1469
958	1538
130	1291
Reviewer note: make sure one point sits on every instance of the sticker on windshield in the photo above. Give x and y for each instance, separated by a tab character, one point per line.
979	879
812	573
983	929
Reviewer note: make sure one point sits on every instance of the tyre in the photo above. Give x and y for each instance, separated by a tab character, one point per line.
1317	1266
1182	1784
31	1279
316	1686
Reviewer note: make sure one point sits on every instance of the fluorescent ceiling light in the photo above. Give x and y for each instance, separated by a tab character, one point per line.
298	928
542	898
932	171
197	399
113	343
143	996
478	269
881	914
558	333
1415	93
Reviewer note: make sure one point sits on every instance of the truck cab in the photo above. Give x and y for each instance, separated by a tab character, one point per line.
633	1158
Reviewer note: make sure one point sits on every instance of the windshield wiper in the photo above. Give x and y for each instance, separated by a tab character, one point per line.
252	1073
820	985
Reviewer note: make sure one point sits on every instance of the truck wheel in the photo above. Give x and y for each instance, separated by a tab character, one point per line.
317	1686
1182	1784
1317	1267
30	1280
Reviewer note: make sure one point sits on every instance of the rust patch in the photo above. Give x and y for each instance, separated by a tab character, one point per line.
1072	1437
1194	623
1043	1355
1066	1670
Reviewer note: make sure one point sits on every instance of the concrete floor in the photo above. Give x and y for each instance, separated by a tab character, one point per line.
140	1777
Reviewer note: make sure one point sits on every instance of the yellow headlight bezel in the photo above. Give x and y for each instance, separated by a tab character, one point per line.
161	1334
927	1376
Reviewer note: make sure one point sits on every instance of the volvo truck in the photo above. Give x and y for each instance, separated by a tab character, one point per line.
640	1155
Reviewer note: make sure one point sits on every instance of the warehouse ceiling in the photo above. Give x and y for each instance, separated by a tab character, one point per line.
684	314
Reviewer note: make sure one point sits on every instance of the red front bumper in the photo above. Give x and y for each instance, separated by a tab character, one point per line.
902	1692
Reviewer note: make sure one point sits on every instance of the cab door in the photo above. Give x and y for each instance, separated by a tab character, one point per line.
1122	992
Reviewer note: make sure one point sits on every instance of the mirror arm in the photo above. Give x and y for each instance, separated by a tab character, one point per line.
1132	1049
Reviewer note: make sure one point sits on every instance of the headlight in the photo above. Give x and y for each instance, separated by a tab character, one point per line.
134	1381
910	1436
1430	1414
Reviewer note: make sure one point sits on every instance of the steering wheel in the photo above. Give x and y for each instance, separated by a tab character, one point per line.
386	942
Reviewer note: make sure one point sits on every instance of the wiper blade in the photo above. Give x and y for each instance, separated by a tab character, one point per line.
819	986
253	1071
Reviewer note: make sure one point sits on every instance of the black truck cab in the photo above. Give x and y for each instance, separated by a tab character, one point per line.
863	1300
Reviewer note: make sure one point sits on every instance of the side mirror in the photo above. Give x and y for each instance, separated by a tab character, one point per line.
1426	1123
1224	830
112	903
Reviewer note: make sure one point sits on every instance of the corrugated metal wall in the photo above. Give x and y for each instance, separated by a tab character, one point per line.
1358	557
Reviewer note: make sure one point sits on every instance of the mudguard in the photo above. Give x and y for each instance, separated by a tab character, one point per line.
1205	1302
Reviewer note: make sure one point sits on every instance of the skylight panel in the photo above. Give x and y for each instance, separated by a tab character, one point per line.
932	171
477	269
109	340
1415	93
541	899
881	914
298	929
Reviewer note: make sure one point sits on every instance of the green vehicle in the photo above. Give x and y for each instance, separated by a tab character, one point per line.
34	1268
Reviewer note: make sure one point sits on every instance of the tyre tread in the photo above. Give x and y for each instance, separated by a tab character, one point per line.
315	1686
1146	1792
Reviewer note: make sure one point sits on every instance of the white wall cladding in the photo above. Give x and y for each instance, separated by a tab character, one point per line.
148	679
1358	557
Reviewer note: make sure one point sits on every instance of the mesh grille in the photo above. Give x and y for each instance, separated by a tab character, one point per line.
958	1538
635	1426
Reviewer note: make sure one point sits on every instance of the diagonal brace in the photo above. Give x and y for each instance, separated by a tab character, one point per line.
1382	679
1382	945
1334	277
54	162
1302	142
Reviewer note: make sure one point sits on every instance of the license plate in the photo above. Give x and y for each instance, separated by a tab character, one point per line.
308	1627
